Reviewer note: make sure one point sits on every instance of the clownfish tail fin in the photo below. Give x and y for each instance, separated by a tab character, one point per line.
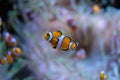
73	45
77	43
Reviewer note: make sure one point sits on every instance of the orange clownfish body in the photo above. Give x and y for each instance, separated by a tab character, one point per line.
59	40
95	9
52	37
12	55
65	43
9	39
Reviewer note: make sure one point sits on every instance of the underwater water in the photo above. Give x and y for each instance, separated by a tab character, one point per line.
60	40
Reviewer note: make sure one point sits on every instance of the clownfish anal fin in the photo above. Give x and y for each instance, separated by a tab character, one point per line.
54	46
76	43
64	49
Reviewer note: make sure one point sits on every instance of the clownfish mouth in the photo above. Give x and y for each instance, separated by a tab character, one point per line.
46	36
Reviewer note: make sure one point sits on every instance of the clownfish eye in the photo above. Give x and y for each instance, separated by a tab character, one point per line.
47	34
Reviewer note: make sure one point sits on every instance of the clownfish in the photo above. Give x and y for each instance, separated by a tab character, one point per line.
102	75
71	23
58	40
9	39
95	9
11	56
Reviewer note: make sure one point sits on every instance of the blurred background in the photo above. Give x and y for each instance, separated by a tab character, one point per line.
94	24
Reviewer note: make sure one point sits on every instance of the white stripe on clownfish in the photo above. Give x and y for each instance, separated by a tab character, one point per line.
60	40
13	40
70	45
6	35
51	36
10	55
15	52
5	59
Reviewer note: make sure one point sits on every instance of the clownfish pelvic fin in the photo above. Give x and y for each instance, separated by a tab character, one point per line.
54	42
54	46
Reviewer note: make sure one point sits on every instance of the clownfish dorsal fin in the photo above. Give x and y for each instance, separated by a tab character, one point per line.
56	34
69	38
60	32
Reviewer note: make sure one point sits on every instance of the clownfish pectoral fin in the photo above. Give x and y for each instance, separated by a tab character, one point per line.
65	49
55	40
